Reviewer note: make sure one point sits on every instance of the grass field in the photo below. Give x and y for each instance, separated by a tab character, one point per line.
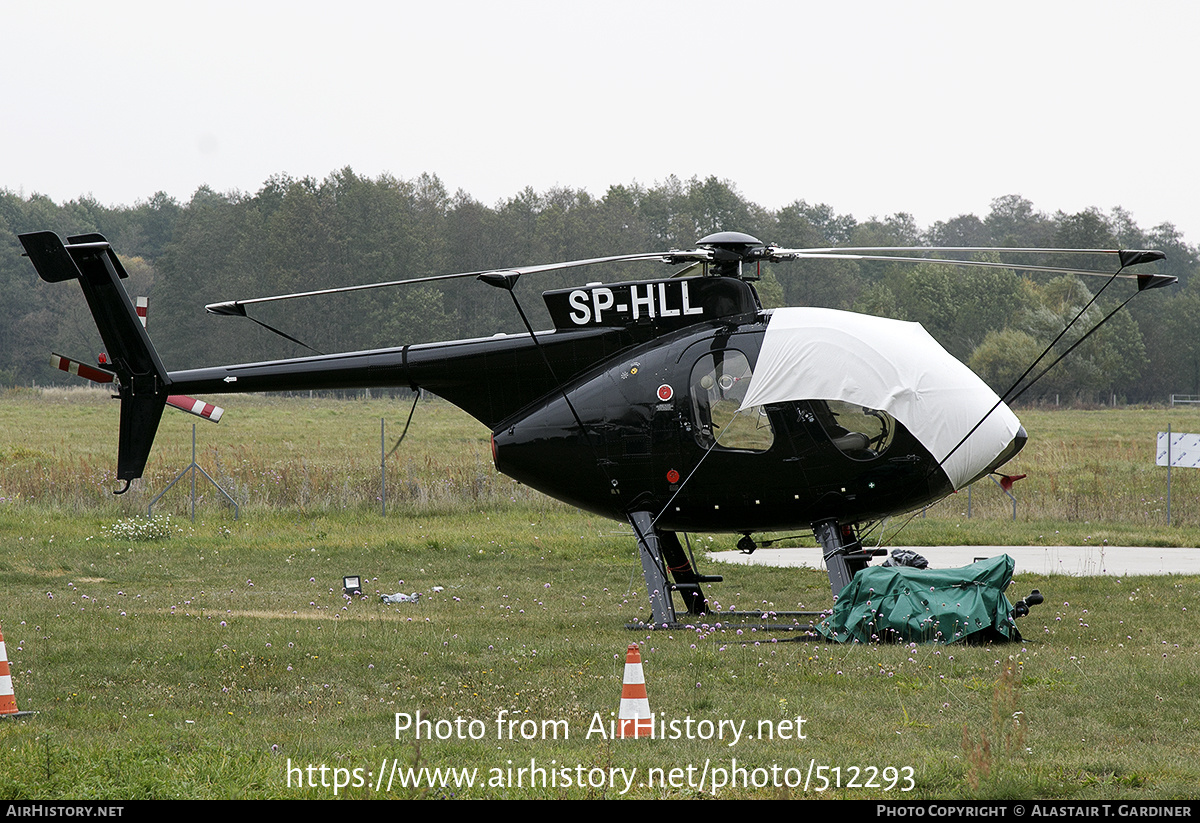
219	659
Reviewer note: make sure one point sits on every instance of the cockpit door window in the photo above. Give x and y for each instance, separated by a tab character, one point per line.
718	384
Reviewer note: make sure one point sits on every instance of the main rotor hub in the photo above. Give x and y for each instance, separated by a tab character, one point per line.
730	250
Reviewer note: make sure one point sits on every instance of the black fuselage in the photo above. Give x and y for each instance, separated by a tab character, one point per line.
607	412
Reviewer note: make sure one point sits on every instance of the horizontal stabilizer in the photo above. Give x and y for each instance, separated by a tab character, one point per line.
99	272
82	244
81	369
197	407
49	256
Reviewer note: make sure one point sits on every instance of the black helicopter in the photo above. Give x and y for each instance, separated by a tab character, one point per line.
675	404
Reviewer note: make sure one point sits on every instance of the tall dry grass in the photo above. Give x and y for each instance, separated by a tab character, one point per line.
58	449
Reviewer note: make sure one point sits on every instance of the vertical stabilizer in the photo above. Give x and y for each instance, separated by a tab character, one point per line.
142	379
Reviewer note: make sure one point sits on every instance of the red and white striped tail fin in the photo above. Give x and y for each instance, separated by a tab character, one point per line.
81	369
142	306
197	407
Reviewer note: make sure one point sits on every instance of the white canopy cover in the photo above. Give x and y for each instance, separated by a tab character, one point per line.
890	365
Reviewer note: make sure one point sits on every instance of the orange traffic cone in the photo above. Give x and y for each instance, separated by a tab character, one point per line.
8	700
634	716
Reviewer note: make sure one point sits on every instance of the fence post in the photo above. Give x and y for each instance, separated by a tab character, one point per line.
193	467
1011	496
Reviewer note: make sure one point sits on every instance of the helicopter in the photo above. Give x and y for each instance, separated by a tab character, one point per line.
675	404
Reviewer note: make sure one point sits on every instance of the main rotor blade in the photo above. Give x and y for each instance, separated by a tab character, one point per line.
1127	258
773	253
238	307
949	249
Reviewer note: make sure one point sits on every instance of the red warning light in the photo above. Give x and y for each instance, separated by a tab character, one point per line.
672	477
665	392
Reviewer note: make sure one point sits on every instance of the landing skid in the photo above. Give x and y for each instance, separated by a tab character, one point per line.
750	621
668	569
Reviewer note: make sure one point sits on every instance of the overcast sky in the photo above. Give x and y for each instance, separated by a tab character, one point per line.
933	108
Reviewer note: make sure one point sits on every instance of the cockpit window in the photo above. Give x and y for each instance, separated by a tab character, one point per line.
858	432
719	382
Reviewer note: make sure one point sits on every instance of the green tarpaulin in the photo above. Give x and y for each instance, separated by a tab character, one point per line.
900	603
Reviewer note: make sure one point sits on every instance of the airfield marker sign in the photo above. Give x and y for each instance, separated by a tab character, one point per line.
1177	450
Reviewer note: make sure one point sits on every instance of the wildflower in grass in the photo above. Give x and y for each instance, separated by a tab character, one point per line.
140	529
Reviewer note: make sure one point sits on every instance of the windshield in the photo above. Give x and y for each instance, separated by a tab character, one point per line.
858	432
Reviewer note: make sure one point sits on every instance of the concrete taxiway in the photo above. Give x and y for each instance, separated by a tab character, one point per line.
1079	561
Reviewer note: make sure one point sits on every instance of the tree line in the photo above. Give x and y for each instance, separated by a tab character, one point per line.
302	234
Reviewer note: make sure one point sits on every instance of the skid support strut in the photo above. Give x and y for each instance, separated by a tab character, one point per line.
844	554
662	555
